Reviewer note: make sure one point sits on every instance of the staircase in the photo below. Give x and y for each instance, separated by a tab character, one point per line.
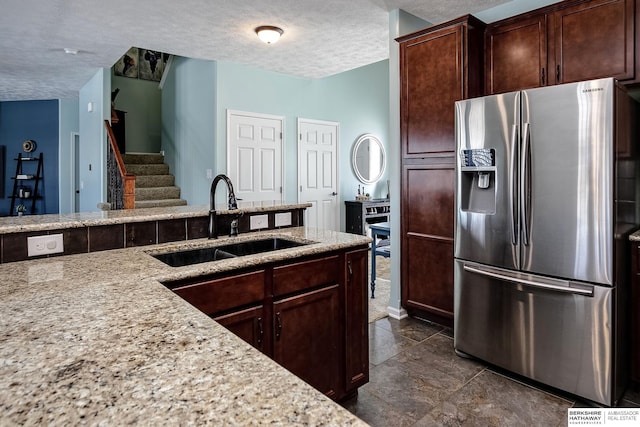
155	186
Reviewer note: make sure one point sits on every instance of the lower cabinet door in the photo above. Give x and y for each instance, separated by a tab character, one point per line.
248	324
356	320
306	337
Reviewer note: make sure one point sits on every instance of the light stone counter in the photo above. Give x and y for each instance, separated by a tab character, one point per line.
95	339
16	224
635	237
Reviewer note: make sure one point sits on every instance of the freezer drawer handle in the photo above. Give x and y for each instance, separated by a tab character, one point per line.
548	286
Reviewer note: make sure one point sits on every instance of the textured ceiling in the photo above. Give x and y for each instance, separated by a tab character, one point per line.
321	38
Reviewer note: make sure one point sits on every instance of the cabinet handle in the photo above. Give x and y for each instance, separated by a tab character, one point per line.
350	270
543	76
278	326
260	331
558	73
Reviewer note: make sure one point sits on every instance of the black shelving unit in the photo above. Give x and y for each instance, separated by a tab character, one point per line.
26	181
361	212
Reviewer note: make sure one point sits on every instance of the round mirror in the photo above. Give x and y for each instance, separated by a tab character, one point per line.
368	159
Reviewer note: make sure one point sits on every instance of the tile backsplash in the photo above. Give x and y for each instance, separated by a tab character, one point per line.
95	238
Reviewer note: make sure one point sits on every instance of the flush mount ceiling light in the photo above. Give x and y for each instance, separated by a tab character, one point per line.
268	33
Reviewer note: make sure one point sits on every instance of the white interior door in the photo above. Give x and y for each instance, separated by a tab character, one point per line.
318	172
254	155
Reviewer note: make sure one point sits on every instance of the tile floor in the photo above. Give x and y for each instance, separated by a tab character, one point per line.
416	379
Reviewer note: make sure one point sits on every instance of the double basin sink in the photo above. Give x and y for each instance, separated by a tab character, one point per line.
232	250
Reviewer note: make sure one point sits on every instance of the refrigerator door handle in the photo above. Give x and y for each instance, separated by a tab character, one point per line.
513	198
524	183
545	283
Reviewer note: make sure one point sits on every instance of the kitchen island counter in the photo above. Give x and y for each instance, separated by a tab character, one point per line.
96	339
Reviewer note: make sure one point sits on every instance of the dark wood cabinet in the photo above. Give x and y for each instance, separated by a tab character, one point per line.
248	324
516	55
634	307
566	42
594	39
307	339
427	267
309	315
357	303
438	66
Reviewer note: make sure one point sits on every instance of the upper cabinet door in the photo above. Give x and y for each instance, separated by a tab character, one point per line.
438	66
431	70
594	39
516	55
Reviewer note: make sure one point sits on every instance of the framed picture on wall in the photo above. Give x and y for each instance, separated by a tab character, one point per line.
150	65
127	65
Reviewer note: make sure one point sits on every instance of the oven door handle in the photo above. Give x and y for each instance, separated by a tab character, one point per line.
551	284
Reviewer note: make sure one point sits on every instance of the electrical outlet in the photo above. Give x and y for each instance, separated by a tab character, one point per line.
44	245
283	219
258	221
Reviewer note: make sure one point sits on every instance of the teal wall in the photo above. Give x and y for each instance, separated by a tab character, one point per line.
197	95
69	124
188	125
93	159
141	100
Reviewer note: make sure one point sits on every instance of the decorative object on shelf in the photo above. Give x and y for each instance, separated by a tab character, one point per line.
29	146
21	209
368	159
361	195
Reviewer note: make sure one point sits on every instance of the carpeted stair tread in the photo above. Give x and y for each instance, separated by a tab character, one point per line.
157	193
148	169
160	203
155	186
143	158
145	181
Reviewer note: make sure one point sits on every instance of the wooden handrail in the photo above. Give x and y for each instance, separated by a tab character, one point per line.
128	179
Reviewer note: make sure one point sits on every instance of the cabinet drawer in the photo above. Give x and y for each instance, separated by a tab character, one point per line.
218	295
307	274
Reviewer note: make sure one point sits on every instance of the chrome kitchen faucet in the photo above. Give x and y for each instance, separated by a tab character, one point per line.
232	204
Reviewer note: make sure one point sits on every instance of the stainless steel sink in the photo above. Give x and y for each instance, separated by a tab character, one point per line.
231	250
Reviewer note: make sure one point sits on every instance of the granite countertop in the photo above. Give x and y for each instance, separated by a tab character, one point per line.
97	339
635	236
15	224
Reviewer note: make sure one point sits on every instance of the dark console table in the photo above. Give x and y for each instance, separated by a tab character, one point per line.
361	212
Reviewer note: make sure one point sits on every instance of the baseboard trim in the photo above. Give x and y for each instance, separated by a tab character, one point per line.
397	314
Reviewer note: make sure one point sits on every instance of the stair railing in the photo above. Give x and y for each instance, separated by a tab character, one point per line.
121	185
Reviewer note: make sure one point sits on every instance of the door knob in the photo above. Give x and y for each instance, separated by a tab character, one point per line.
334	194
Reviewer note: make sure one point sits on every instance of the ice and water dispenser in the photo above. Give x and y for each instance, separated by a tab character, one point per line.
478	180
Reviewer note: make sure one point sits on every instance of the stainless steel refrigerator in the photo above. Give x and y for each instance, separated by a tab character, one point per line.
545	199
